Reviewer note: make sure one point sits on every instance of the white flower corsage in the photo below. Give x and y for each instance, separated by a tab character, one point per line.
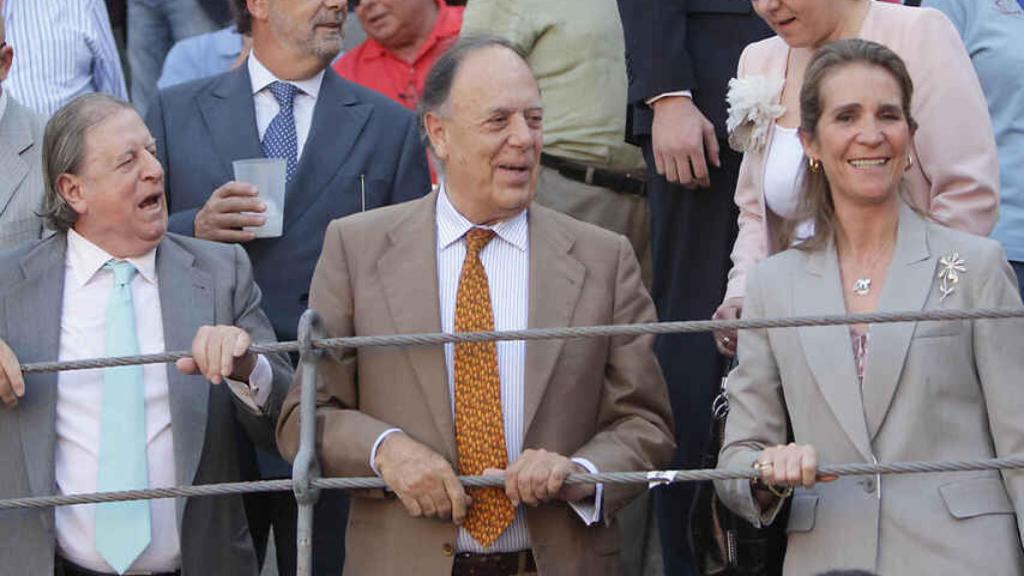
752	110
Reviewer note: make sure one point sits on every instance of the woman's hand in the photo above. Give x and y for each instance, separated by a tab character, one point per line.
731	309
789	465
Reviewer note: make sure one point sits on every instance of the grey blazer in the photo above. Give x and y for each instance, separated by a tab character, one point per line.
21	174
932	391
200	283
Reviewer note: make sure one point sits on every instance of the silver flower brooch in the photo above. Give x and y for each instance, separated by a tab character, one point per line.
951	266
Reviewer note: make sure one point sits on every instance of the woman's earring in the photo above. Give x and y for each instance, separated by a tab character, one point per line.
813	164
910	162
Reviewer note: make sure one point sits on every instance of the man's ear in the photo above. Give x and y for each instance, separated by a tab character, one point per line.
437	132
259	9
69	186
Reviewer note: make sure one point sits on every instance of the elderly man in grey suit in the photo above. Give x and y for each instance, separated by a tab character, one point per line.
111	282
21	181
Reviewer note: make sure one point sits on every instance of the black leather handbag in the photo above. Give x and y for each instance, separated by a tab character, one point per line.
723	543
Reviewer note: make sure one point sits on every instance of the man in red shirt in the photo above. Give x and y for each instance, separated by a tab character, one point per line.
404	38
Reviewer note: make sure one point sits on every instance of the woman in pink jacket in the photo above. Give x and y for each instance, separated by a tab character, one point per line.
953	172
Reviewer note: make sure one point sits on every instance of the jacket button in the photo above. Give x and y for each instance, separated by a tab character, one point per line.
448	549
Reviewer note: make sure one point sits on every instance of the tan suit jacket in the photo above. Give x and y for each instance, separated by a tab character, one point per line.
932	391
955	177
601	399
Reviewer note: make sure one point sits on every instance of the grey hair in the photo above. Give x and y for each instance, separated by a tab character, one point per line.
64	150
438	86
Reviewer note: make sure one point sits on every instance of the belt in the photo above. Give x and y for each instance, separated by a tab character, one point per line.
64	568
497	564
623	182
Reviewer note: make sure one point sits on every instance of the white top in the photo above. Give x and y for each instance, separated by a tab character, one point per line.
506	261
783	177
267	106
87	288
783	168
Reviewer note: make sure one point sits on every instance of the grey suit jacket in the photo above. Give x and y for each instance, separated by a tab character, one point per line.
21	174
200	283
932	391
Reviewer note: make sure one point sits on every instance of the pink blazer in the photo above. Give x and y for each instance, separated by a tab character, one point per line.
955	177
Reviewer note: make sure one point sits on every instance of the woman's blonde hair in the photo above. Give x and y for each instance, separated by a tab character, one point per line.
815	192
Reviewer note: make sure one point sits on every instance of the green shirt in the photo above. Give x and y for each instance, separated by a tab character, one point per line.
577	52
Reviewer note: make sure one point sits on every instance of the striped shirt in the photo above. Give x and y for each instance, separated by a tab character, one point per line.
506	260
63	49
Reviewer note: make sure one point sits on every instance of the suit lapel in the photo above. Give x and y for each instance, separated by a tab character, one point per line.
410	289
338	121
556	280
230	116
907	285
186	302
33	311
828	349
15	138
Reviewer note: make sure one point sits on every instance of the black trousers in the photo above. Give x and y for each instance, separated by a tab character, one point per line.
279	510
692	233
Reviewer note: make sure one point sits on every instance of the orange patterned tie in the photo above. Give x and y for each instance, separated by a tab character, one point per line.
479	427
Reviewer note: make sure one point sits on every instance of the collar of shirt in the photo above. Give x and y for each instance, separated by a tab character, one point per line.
261	78
86	258
446	25
451	225
3	103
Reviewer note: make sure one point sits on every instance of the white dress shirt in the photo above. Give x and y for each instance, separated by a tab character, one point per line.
267	106
506	260
87	288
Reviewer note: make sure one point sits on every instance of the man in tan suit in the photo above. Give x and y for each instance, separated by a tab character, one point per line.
477	255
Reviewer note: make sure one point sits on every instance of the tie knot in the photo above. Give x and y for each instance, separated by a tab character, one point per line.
477	238
284	93
123	271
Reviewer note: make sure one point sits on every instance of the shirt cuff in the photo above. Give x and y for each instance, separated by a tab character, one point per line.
255	392
685	93
376	445
589	510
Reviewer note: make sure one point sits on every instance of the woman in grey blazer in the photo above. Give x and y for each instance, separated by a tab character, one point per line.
877	393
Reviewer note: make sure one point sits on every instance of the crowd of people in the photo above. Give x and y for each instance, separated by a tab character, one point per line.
503	165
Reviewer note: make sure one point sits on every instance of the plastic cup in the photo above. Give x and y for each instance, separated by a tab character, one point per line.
268	176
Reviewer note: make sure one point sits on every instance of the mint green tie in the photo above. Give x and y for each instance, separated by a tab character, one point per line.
122	528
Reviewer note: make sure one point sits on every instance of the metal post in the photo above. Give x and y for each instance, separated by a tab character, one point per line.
306	466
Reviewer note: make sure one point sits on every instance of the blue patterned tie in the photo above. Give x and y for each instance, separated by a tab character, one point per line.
122	528
280	141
